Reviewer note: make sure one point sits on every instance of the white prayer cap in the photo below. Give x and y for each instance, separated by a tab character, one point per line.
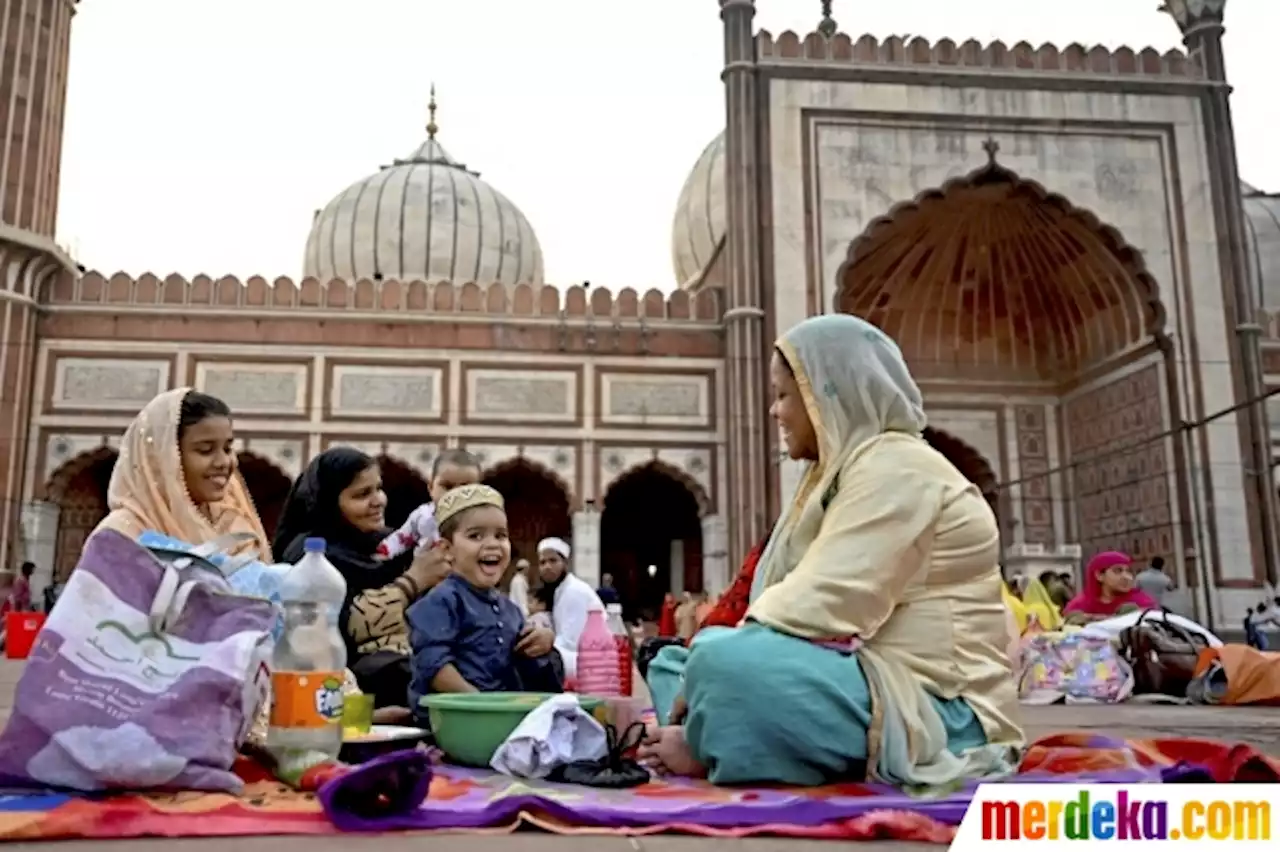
555	545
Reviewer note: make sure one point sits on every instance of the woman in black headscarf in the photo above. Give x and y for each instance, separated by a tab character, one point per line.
339	498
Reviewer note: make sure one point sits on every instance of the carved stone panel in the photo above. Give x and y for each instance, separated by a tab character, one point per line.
389	392
628	399
522	396
107	384
256	388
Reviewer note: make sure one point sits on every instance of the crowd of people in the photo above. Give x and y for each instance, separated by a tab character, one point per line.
874	615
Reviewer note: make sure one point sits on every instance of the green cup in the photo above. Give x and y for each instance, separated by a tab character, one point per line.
357	714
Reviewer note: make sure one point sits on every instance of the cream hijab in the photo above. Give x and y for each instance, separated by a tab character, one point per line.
855	386
148	490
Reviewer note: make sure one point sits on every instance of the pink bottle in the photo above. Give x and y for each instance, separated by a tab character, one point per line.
597	658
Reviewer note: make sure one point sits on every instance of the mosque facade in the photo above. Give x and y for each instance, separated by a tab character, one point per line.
1057	237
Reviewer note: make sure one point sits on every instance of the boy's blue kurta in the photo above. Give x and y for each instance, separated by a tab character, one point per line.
473	629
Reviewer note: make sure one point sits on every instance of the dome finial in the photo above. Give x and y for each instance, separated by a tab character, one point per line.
432	127
827	26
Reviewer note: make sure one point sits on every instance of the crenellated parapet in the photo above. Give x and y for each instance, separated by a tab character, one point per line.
366	298
994	56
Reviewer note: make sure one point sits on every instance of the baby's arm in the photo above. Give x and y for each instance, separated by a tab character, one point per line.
405	537
434	625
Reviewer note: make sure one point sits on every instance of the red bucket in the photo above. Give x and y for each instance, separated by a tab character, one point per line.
20	631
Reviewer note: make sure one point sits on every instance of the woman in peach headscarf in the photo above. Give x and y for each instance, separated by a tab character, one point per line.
176	475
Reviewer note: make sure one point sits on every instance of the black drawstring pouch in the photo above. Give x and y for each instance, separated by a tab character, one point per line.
613	771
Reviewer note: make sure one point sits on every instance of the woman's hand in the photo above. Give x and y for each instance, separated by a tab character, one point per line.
429	568
535	642
679	709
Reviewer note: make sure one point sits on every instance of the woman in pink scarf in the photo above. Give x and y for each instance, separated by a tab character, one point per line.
1108	589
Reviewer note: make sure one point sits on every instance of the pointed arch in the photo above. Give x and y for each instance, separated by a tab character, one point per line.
539	504
268	486
55	487
79	488
695	489
405	487
497	470
992	275
652	521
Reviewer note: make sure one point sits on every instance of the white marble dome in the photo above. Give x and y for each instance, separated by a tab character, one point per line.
697	234
1262	245
423	217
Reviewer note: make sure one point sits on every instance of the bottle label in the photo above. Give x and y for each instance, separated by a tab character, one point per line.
306	699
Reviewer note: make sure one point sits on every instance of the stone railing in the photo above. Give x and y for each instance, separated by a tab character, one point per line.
381	297
995	56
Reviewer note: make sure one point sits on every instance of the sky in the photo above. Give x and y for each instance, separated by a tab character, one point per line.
201	135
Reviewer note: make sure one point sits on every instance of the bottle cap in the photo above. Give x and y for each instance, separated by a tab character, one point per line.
313	545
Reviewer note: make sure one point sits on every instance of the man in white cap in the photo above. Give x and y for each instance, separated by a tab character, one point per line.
571	600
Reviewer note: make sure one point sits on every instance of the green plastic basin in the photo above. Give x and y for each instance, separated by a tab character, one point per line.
469	727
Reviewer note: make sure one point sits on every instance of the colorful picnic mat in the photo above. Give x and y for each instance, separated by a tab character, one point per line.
482	801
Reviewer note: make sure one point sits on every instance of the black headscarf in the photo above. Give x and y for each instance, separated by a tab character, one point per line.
312	510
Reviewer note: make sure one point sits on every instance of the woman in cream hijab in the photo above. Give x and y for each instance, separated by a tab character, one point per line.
875	640
176	475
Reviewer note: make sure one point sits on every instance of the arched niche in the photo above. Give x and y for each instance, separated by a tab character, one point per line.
79	488
268	487
993	277
539	504
652	516
405	488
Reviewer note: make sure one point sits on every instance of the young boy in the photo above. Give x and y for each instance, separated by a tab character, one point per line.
451	469
466	636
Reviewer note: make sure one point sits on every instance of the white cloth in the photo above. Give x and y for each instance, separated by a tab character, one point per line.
1111	628
573	600
519	593
556	732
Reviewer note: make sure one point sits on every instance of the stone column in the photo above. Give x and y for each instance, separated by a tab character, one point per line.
586	545
34	85
1201	24
716	573
750	465
40	543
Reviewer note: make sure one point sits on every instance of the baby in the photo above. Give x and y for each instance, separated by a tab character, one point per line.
452	468
465	635
540	607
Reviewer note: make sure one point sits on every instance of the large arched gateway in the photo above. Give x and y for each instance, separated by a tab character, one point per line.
993	283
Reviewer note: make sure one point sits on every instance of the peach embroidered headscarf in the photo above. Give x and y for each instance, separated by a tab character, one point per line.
148	490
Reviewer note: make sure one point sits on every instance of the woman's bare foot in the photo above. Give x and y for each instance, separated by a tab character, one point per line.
666	752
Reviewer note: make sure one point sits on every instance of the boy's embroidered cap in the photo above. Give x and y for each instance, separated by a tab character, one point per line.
467	497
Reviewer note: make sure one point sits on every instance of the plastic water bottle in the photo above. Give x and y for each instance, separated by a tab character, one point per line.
310	660
597	658
622	647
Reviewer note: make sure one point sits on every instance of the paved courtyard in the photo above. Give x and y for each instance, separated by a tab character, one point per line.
1258	726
